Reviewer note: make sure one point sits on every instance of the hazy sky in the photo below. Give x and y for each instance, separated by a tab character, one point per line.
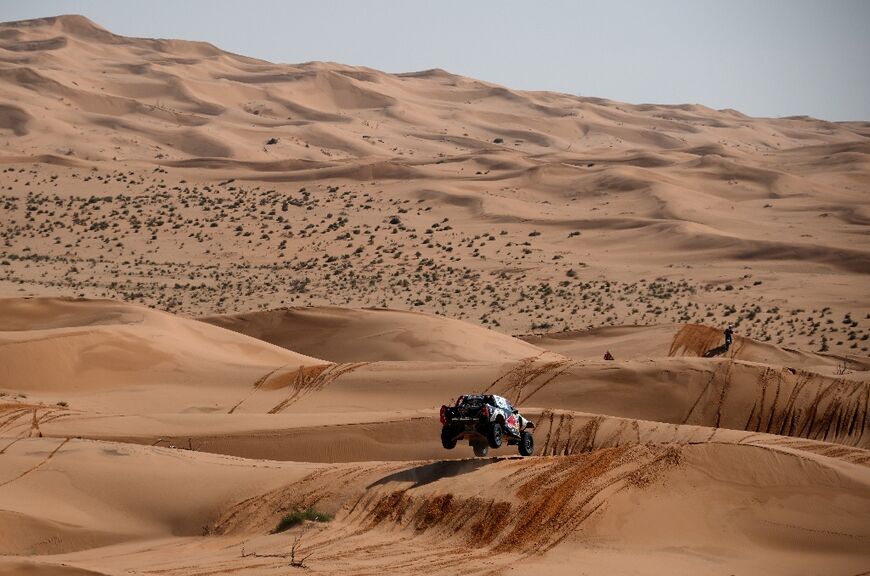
762	57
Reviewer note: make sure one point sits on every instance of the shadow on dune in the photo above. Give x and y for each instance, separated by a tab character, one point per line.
428	473
717	351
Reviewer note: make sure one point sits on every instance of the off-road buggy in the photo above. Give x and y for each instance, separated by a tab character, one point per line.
486	421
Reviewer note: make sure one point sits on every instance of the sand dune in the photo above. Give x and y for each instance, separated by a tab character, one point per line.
409	435
724	393
370	335
532	512
691	340
84	348
618	440
232	289
105	499
529	190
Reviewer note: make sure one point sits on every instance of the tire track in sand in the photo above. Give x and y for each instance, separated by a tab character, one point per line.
37	466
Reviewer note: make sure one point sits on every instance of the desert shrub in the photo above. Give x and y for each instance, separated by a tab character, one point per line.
298	516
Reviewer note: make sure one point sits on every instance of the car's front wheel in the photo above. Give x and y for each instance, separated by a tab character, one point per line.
495	435
448	437
480	449
527	444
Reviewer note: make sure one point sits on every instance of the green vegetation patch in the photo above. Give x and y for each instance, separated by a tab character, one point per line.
299	516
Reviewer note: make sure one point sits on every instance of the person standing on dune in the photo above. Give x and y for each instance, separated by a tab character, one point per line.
729	336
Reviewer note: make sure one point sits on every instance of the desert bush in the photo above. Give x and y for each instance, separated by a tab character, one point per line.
298	516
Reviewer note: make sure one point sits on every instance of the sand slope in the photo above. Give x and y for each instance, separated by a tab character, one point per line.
691	340
133	472
88	349
470	514
712	392
342	335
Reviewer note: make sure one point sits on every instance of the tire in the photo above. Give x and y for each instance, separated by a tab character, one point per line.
527	444
495	435
448	437
480	449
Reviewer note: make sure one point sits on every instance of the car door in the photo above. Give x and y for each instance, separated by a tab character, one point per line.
512	422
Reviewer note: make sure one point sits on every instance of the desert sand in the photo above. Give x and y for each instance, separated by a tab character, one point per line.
231	290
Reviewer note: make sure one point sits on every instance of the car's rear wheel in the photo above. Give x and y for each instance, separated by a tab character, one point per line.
448	437
495	435
480	449
527	444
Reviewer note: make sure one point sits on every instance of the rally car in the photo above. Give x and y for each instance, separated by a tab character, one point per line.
486	421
